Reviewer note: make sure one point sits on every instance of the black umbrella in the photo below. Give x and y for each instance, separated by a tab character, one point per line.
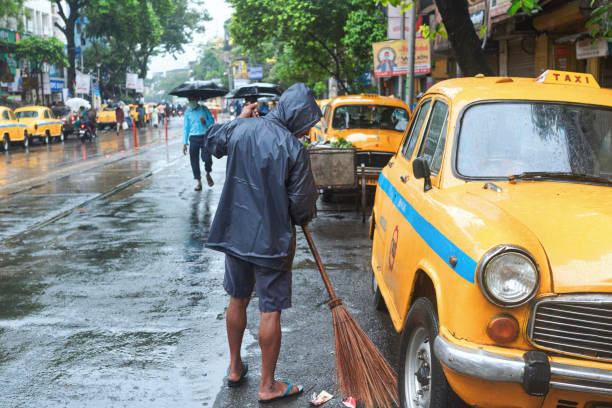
199	89
254	91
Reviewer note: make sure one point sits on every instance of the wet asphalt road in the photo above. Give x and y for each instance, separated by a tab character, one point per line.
108	297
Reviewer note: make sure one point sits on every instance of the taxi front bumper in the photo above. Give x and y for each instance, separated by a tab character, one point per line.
535	370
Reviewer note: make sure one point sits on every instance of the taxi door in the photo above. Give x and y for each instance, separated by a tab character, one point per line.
389	219
16	131
414	209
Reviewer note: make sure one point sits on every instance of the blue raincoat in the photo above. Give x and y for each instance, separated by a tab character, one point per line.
269	187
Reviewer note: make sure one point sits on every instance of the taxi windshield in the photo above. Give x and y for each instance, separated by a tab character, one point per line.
370	117
499	140
27	114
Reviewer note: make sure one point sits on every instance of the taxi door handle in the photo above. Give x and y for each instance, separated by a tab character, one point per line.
403	179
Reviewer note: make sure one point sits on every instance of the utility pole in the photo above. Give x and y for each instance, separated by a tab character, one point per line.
411	43
402	78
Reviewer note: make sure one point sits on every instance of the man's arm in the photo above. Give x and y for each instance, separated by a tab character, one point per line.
301	190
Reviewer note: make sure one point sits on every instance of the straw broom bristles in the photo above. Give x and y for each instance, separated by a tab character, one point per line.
362	371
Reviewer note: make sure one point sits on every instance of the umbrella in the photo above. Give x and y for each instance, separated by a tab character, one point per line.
76	103
254	91
198	89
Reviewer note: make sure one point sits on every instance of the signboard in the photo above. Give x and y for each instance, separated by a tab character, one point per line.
139	85
589	49
131	81
390	58
57	84
8	36
394	28
240	69
256	73
82	83
422	57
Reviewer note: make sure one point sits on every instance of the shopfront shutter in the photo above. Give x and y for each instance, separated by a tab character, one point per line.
521	57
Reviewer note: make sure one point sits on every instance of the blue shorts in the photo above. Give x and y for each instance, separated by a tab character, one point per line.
273	286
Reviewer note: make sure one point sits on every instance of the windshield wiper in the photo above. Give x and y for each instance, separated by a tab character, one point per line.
545	175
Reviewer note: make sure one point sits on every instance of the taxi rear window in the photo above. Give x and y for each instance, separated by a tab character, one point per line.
497	140
27	114
370	117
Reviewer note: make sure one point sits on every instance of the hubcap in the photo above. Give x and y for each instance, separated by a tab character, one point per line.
417	374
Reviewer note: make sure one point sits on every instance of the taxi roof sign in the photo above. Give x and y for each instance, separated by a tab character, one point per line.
567	78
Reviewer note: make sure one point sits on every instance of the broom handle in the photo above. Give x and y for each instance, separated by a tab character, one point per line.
315	253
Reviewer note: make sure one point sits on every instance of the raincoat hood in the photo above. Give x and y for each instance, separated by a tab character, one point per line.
297	109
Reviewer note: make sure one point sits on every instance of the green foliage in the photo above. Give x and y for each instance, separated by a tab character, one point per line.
11	8
600	23
162	85
330	38
342	143
38	50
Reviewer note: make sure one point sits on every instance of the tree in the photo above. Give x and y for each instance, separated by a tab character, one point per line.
10	8
39	51
69	17
318	34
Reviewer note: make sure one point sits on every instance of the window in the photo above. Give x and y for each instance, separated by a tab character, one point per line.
47	114
11	115
434	138
27	114
5	115
415	130
370	117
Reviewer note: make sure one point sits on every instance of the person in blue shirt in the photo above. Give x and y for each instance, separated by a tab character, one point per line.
197	120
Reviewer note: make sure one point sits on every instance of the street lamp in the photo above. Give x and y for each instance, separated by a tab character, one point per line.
98	65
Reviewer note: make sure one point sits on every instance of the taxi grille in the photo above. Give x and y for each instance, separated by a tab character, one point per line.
579	325
372	159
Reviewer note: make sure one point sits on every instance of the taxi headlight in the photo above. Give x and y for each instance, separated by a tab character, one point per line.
508	277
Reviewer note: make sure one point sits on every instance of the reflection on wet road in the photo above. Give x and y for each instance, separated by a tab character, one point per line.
118	303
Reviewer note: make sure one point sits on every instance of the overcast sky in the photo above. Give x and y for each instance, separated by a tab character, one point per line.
220	12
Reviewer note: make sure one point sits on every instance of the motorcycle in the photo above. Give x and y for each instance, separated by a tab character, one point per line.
85	132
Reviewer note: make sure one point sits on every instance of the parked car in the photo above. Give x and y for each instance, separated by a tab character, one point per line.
316	132
40	123
68	117
491	244
11	131
374	124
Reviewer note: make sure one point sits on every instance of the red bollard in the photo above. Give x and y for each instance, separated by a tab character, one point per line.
166	128
214	112
135	136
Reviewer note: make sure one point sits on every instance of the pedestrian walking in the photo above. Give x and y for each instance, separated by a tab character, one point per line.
92	120
119	117
269	190
141	116
161	110
154	117
197	120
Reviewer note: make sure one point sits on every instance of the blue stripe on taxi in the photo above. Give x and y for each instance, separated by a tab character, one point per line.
440	244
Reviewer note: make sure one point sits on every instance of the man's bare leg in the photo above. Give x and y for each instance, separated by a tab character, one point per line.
235	321
270	342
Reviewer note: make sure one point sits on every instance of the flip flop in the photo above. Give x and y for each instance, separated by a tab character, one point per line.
237	383
285	394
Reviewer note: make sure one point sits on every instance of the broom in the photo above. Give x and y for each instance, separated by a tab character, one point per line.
361	370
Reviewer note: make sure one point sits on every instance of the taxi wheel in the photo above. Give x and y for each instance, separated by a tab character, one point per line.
379	302
422	383
6	143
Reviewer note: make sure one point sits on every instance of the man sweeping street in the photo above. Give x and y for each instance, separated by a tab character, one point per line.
269	189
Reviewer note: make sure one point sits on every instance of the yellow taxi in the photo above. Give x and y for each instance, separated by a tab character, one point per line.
316	132
374	124
106	117
11	130
40	123
491	244
134	112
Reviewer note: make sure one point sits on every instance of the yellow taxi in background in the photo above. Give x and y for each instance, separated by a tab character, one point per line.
374	124
134	112
491	244
106	117
316	132
40	123
11	131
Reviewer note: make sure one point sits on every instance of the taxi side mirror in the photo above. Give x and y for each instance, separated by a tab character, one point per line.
420	168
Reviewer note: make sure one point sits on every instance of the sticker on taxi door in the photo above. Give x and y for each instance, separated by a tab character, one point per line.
393	248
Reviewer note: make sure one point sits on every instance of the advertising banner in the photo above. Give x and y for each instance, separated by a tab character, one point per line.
591	49
131	81
422	57
57	84
390	58
140	85
82	83
256	73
